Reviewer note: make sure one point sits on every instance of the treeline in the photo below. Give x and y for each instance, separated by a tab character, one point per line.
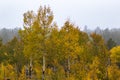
44	52
8	34
107	34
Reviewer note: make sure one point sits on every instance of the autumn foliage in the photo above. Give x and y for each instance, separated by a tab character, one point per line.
46	52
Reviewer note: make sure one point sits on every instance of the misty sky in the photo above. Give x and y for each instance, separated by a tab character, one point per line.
93	13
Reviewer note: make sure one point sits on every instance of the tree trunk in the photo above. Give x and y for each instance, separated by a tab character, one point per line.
43	70
30	69
68	71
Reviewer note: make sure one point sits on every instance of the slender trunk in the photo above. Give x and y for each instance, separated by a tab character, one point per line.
4	74
43	69
16	70
68	71
30	69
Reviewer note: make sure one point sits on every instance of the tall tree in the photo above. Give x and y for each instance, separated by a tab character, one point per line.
100	51
115	55
14	51
35	34
70	45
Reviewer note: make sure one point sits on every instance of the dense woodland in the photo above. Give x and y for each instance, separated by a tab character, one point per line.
42	51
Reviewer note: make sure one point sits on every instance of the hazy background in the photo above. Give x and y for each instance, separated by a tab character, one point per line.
93	13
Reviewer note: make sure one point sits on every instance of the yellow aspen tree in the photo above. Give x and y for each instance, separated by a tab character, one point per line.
100	50
114	68
35	34
70	46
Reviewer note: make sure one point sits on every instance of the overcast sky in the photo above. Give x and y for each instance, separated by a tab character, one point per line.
93	13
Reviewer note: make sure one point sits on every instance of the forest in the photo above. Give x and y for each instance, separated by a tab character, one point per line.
43	51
